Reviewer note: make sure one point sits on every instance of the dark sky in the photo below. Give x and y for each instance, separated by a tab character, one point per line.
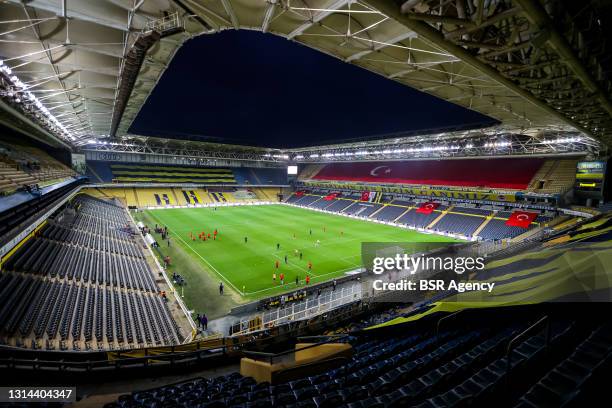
256	89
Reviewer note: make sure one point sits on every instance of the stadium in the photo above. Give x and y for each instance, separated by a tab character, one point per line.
305	203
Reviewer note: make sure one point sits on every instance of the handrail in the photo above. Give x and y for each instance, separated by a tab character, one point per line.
339	335
542	323
447	317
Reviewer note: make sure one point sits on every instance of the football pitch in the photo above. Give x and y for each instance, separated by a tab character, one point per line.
332	243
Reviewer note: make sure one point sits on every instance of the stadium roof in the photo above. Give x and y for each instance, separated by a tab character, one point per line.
504	59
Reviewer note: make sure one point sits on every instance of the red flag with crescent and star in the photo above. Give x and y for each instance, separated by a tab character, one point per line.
521	219
427	208
365	196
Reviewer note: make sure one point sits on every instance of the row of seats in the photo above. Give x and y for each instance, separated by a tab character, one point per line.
84	278
21	165
419	220
53	310
87	256
11	178
470	365
580	380
120	242
12	218
558	178
389	213
66	261
459	224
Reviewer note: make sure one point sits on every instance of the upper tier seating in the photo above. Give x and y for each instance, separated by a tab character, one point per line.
100	171
84	278
128	172
12	179
255	176
21	165
495	173
559	177
11	218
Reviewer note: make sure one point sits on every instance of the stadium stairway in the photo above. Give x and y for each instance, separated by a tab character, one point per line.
435	221
373	215
176	199
483	225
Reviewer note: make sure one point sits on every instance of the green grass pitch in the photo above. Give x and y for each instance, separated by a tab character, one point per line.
250	265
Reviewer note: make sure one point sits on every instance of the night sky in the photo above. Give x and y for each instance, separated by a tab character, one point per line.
250	88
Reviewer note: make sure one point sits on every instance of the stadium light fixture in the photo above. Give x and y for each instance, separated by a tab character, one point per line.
28	98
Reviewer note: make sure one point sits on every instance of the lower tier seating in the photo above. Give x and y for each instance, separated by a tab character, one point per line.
464	220
51	310
83	278
497	229
469	364
459	224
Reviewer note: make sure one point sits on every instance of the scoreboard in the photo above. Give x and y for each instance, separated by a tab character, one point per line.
590	176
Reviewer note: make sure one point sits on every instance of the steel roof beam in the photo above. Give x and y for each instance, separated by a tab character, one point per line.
537	15
378	47
429	33
330	9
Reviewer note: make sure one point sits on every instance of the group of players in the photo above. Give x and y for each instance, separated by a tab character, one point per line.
203	236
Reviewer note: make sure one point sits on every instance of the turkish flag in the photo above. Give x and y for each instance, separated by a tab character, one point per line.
365	196
521	219
427	208
331	196
299	193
